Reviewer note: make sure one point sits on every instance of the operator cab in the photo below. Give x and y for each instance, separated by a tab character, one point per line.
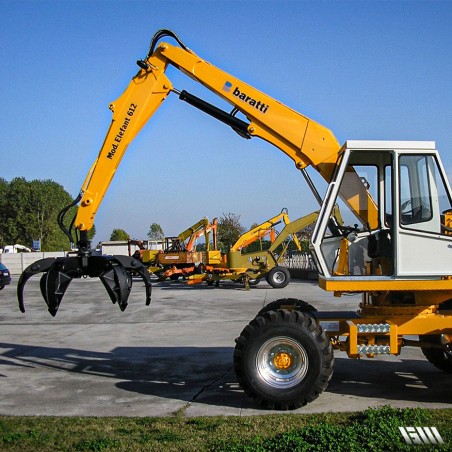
395	199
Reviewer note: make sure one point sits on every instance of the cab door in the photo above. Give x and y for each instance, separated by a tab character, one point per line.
423	239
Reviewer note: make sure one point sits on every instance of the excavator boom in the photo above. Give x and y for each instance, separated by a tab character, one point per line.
306	142
261	230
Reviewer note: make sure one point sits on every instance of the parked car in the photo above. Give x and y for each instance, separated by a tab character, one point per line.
5	276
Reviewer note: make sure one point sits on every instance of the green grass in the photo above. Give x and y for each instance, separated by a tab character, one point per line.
371	430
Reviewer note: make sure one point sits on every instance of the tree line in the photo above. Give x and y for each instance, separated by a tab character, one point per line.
29	212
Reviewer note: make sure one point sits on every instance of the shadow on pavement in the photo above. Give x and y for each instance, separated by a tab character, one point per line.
205	374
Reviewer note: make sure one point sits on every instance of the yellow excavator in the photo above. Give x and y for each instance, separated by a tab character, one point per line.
260	231
394	247
216	271
251	266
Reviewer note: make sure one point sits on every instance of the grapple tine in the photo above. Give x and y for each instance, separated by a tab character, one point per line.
39	266
58	273
138	268
118	284
108	280
148	286
144	274
42	286
56	283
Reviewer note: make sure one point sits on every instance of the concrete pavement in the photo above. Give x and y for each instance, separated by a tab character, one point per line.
174	356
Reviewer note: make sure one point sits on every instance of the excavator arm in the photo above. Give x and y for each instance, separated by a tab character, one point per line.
192	233
261	230
205	230
306	142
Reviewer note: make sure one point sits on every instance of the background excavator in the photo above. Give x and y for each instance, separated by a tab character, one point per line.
250	267
396	252
262	230
179	257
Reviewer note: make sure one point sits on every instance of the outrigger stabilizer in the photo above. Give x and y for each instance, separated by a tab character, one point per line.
115	272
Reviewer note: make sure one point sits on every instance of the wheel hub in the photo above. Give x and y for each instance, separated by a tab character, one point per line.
282	362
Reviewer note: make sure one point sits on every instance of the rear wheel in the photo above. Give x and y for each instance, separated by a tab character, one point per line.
283	359
439	357
278	277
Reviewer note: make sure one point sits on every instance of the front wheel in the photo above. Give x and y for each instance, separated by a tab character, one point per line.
278	277
283	359
291	304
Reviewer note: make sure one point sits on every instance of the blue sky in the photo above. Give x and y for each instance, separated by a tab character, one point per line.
364	69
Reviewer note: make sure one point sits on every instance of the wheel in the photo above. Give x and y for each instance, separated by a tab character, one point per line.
440	358
2	287
278	277
283	359
290	304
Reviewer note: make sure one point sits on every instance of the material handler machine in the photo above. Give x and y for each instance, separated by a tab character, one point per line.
396	252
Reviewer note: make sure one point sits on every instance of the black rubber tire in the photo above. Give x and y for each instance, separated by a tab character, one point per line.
278	277
293	334
442	359
291	304
2	287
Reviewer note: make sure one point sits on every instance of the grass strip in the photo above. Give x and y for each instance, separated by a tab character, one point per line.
375	429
